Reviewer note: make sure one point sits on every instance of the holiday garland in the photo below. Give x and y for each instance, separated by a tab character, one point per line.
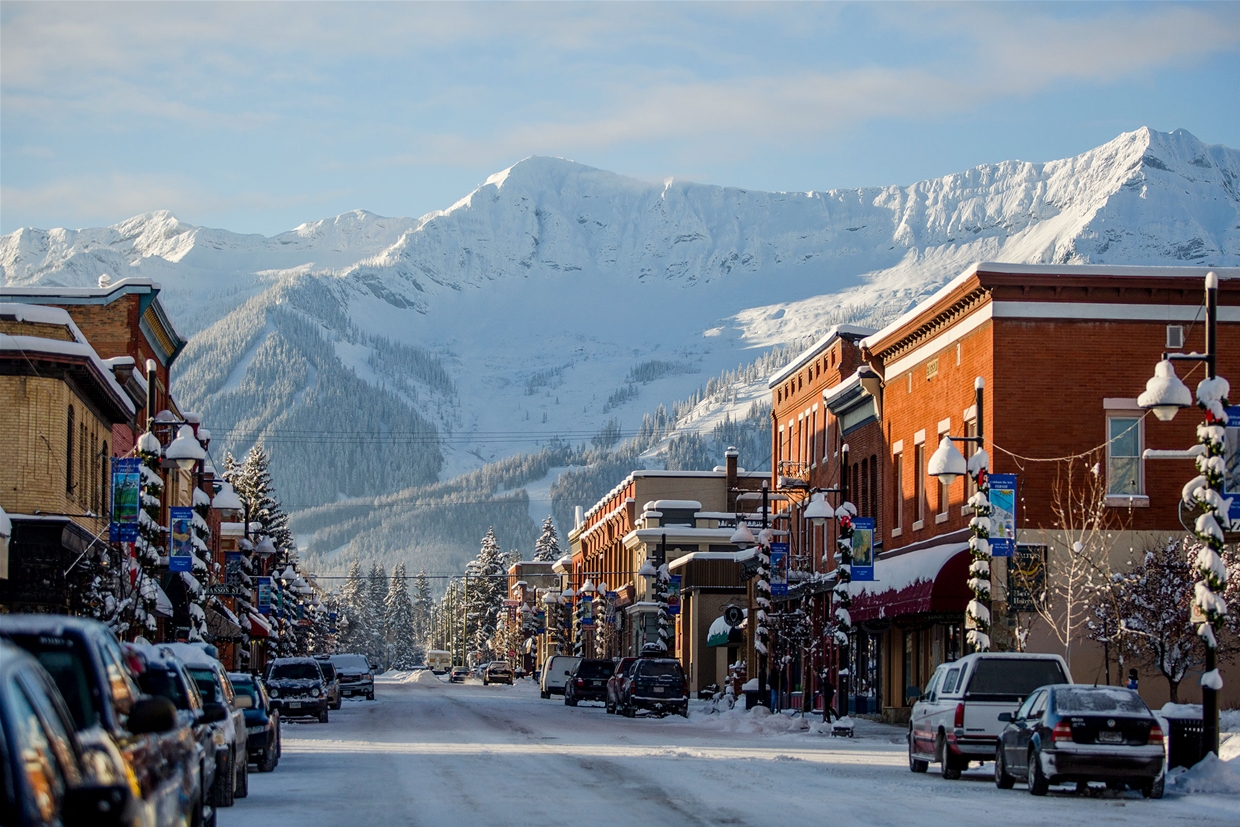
977	613
150	545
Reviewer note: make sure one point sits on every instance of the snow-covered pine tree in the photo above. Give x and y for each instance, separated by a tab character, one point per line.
379	585
151	543
485	590
547	546
196	581
398	622
251	479
423	605
354	611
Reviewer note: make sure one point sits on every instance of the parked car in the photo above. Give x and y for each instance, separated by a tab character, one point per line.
43	769
232	776
262	722
658	685
356	675
159	672
497	671
588	682
956	719
1077	734
615	684
438	661
331	680
127	737
555	674
297	688
458	674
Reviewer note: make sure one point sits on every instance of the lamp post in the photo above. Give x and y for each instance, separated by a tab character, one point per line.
1165	394
819	512
946	464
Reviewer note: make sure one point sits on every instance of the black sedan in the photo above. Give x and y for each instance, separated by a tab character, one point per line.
588	682
1069	733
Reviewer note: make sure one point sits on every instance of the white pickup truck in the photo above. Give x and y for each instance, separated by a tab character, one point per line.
956	720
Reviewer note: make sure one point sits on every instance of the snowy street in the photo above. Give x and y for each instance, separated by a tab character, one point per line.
432	753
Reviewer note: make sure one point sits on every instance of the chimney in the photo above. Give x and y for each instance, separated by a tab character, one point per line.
578	517
151	373
729	461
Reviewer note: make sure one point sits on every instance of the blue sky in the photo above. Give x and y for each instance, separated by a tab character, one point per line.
256	117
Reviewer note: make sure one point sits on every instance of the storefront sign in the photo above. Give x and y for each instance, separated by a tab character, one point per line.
264	595
673	595
1002	514
863	548
586	608
232	570
779	570
126	499
181	550
1026	577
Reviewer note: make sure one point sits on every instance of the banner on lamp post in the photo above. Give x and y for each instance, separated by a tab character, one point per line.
264	595
126	499
1002	514
673	595
862	548
181	550
779	570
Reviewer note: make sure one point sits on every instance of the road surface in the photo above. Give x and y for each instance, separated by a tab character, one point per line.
439	754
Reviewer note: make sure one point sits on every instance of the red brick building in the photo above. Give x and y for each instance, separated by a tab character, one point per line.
1063	353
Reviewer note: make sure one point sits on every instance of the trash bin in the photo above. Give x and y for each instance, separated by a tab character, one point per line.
1185	742
751	698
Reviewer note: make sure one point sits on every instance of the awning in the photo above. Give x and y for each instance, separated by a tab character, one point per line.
258	626
721	634
222	628
930	579
163	606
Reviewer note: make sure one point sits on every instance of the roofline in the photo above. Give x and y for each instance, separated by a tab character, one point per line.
839	331
877	340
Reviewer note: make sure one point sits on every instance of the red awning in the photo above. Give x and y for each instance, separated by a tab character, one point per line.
931	579
258	626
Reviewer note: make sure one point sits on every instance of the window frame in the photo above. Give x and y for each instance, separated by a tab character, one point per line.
897	487
1124	498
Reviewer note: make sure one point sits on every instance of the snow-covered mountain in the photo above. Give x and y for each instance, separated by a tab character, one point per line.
556	296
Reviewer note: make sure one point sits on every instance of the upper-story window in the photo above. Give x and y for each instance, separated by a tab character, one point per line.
1124	477
70	433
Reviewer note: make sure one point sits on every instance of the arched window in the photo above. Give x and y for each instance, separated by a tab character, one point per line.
69	452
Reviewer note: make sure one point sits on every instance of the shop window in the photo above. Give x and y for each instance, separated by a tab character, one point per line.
919	483
1124	456
897	490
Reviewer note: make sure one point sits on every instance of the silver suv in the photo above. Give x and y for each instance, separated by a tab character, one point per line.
956	719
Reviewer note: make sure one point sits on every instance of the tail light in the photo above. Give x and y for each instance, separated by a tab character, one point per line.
1061	732
959	715
580	682
1156	736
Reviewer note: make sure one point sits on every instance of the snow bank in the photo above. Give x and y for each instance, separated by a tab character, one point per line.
424	677
1212	775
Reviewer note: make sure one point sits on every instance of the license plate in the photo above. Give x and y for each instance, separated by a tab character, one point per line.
1110	737
294	704
254	730
658	690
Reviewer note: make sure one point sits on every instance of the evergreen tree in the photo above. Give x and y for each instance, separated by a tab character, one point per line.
354	611
251	479
547	547
485	590
398	622
377	638
423	605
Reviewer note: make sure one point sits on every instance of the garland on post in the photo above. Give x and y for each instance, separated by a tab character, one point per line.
843	573
977	613
151	542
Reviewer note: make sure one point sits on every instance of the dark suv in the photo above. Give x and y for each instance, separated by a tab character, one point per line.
588	682
356	676
297	688
262	723
657	685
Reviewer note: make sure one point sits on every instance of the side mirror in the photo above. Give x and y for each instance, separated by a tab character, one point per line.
1005	717
95	806
152	715
213	713
243	702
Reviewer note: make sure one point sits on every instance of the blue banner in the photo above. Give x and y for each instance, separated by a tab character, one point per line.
1002	514
779	570
673	595
863	548
264	595
126	499
181	551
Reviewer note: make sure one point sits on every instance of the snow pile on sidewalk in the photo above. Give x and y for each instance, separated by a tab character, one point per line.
758	720
419	676
1212	775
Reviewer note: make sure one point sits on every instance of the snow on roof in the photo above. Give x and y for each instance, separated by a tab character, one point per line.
816	348
719	627
694	556
80	347
258	620
829	395
126	285
900	571
874	340
192	654
663	505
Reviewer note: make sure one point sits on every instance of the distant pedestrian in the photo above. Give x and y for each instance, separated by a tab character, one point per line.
1132	680
775	683
828	698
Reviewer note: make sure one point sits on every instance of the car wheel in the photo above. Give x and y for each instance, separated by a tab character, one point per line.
1002	780
222	790
370	696
915	764
323	716
684	710
1155	788
948	765
1038	785
243	782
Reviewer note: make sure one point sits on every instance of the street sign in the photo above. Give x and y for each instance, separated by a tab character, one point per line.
863	548
779	570
1002	514
181	549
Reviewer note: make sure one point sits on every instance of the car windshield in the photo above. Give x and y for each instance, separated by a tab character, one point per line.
658	669
164	683
350	663
1086	700
64	660
207	687
1013	676
595	669
498	665
294	672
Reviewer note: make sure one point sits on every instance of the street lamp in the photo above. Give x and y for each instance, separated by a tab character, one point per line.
185	450
742	538
1165	394
946	464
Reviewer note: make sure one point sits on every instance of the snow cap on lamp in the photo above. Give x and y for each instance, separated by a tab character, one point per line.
1164	393
947	462
185	450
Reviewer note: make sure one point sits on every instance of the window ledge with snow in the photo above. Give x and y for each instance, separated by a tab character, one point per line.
919	525
1127	501
941	518
896	532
